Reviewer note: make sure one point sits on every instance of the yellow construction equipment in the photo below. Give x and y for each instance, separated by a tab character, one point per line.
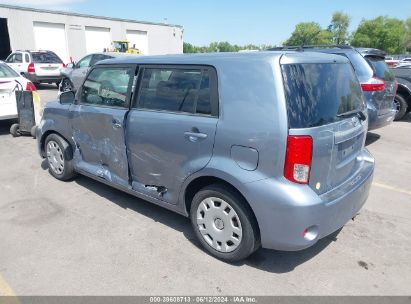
122	46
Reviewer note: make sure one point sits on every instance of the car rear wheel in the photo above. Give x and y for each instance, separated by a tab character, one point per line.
58	154
400	105
224	223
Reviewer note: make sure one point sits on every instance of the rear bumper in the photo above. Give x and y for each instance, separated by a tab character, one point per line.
39	79
8	116
284	210
376	121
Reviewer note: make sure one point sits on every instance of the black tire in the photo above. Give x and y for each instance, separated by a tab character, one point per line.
250	241
15	130
66	157
401	106
33	131
65	85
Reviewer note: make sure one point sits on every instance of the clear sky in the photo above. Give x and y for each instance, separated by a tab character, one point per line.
235	21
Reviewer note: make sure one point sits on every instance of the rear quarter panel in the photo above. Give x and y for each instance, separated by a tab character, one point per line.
252	115
56	119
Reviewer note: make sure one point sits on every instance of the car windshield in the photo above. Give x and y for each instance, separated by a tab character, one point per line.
318	94
7	72
46	57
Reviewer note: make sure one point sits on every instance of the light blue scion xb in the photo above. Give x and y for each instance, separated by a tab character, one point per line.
258	149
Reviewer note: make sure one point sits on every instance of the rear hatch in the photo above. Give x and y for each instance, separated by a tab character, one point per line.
324	101
384	96
46	64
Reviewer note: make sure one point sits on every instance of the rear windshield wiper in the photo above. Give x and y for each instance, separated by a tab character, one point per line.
360	114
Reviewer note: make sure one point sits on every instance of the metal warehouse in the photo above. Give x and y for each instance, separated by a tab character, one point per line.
73	35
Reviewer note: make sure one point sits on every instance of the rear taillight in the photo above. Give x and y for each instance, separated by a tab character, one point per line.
374	84
31	68
298	158
64	65
30	86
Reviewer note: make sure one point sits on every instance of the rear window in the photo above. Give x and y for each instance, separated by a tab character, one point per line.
317	94
361	67
381	69
7	72
45	58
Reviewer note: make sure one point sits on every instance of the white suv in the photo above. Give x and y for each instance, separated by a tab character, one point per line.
37	66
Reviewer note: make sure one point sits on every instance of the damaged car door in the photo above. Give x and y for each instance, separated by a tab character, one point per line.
171	127
98	123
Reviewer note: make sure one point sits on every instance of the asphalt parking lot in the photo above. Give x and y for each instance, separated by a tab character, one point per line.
84	238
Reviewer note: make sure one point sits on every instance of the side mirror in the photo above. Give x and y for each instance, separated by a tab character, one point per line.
67	97
70	65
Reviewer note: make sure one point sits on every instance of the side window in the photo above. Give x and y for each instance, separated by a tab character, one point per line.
176	90
10	59
18	58
84	63
27	57
107	86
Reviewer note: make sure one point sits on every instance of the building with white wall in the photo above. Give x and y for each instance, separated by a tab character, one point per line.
73	35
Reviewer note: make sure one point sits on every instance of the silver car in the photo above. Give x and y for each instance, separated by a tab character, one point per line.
258	149
74	73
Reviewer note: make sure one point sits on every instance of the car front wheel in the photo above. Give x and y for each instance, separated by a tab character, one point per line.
224	223
65	85
58	154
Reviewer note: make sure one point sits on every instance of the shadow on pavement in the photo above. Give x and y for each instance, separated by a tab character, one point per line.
371	138
5	126
406	118
263	259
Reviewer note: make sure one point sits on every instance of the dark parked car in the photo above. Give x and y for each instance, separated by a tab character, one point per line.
403	98
377	81
252	147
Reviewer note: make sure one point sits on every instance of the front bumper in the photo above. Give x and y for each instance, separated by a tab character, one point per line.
284	210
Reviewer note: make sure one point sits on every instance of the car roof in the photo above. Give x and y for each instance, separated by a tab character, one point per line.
113	54
219	58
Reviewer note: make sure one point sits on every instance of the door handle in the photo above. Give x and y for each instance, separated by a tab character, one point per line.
116	124
195	135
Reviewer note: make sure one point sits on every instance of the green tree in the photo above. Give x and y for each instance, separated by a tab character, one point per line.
224	46
188	48
383	33
339	27
407	39
309	33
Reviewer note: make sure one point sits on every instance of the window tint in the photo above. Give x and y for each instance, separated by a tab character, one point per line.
6	71
45	57
27	57
18	58
176	90
317	93
107	87
99	57
84	63
380	68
